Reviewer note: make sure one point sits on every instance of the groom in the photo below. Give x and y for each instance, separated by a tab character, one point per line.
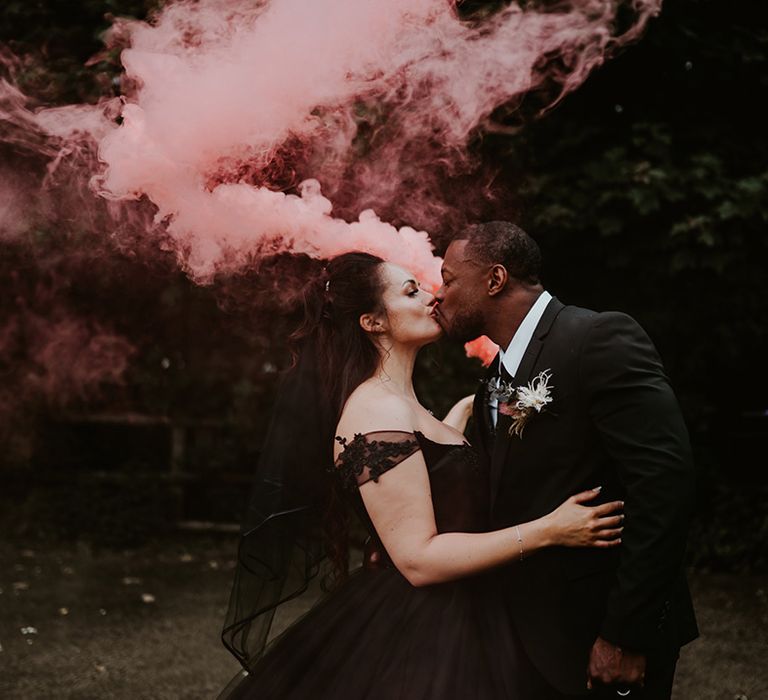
608	619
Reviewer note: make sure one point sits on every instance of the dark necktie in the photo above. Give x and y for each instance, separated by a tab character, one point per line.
501	374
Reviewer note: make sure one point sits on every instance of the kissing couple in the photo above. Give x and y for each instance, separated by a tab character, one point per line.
540	559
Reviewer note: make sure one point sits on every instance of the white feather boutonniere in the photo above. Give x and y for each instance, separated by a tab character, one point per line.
522	402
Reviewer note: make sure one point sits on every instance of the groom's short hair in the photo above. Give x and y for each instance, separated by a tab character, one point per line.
502	242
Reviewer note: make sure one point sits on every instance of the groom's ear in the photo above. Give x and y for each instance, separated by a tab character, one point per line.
497	280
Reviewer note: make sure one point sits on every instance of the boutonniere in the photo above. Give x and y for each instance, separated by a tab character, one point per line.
521	402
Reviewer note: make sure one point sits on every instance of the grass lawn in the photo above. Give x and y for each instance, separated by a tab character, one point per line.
145	623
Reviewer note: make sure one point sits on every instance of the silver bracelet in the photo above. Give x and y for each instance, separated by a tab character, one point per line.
519	540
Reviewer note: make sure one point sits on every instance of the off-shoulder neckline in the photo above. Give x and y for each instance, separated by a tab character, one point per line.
404	432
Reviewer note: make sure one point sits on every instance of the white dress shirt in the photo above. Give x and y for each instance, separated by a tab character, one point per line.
513	355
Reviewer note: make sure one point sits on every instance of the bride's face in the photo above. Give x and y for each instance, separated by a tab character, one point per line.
408	316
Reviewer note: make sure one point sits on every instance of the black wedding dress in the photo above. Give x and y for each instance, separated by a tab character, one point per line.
377	637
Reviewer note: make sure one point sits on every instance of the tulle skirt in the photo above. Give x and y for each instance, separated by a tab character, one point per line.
377	637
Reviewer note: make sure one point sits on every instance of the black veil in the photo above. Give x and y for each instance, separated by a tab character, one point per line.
281	541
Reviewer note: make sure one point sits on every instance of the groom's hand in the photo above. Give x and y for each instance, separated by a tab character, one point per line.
611	665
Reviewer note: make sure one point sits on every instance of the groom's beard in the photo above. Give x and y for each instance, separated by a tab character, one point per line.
462	327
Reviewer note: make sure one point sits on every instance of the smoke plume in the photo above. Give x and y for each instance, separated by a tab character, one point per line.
247	128
243	122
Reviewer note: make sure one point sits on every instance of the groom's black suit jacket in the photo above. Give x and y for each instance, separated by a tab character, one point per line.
614	421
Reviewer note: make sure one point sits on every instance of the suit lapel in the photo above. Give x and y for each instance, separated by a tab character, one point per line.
503	441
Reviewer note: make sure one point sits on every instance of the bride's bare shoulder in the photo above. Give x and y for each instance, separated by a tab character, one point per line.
372	407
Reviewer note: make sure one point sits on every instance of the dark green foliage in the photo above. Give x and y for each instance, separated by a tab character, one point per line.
57	39
648	190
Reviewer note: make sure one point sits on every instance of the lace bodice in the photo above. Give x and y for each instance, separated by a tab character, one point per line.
459	486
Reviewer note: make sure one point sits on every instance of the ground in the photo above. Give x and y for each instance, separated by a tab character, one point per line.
144	624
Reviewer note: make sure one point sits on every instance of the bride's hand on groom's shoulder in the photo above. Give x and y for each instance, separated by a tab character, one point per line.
574	524
460	413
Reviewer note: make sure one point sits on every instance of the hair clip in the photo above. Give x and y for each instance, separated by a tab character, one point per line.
327	285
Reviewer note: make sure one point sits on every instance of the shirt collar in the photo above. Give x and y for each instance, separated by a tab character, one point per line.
512	356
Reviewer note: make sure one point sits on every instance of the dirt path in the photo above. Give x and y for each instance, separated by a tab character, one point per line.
145	624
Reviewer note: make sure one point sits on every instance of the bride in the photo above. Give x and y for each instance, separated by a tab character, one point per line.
428	621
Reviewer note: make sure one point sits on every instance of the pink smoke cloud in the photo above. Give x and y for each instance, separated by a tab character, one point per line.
58	357
72	358
247	128
243	122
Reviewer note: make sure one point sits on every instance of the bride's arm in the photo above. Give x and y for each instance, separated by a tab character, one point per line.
399	504
459	414
400	508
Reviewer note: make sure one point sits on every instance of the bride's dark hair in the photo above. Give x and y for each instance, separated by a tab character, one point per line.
350	286
295	516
